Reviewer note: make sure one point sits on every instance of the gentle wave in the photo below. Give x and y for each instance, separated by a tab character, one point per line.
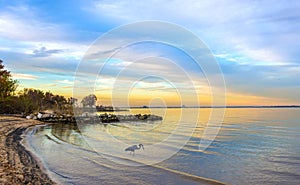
111	167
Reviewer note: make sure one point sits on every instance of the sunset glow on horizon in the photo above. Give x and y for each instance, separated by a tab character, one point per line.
255	45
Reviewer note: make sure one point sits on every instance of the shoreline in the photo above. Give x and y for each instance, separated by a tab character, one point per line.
17	164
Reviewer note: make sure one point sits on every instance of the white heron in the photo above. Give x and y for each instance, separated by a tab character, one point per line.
134	147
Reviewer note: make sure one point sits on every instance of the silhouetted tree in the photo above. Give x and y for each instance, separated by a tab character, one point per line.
33	100
49	103
60	102
7	84
72	101
89	101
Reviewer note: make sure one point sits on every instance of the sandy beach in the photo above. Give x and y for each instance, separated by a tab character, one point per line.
17	166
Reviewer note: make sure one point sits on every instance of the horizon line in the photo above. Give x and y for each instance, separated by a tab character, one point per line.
226	106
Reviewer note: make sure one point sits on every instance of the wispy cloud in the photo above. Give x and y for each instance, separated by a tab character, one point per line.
68	87
50	85
65	81
255	42
44	52
24	76
21	23
262	36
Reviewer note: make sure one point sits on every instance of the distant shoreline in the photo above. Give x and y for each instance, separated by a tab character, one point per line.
230	107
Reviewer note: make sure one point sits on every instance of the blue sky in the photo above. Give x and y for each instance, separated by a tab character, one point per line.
256	43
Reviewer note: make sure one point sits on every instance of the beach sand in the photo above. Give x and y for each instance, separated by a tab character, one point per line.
17	165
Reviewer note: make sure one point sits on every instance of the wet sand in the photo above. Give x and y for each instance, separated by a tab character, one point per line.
17	165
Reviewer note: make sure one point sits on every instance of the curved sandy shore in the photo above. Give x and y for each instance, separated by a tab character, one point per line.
17	166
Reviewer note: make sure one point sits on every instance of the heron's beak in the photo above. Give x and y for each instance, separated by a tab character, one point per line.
143	147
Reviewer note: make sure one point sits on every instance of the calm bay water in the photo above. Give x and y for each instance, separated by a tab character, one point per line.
253	146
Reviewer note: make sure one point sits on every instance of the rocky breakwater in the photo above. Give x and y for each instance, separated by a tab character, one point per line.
93	118
110	118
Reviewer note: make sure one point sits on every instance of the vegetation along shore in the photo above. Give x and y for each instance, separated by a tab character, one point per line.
35	107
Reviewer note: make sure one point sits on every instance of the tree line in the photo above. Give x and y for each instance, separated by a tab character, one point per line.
30	100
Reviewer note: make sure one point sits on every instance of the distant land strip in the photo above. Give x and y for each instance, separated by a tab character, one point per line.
233	106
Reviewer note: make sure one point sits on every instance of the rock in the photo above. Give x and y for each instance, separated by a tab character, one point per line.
39	115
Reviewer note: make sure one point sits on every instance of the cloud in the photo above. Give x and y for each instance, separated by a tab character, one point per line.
50	85
227	57
262	31
65	81
120	64
23	29
256	42
67	87
44	52
28	28
24	76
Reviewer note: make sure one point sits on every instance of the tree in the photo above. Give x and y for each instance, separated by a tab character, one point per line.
35	100
49	103
31	100
7	84
72	101
89	101
60	102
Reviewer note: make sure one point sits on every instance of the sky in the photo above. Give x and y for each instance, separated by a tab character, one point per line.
255	43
